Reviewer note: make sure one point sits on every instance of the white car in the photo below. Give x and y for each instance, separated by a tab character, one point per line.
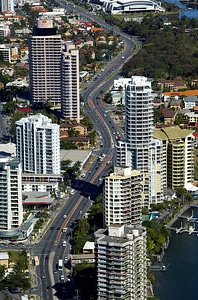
62	277
72	192
65	216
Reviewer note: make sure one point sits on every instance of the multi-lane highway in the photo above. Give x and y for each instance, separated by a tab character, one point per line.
50	248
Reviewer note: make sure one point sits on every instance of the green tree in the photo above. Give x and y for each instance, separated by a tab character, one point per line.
17	116
2	272
10	107
179	119
188	198
73	132
84	275
180	192
81	230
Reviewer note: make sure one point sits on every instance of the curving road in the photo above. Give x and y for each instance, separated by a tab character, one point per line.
50	248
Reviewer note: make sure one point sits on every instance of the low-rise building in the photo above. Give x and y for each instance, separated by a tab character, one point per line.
79	258
4	259
173	85
4	30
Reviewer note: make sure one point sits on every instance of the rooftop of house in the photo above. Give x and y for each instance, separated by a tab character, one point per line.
183	93
66	125
167	112
4	255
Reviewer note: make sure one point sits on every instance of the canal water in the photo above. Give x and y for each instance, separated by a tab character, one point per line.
190	11
180	280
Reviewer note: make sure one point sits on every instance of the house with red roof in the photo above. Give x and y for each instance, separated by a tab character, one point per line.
87	25
25	110
79	43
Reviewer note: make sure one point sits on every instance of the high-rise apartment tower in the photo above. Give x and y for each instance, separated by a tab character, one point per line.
138	150
6	5
70	94
45	62
38	145
121	265
122	197
11	209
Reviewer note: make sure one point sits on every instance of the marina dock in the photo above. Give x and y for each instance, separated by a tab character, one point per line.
192	219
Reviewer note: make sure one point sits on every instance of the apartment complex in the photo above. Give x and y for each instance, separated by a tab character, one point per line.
122	197
10	195
70	93
178	156
45	47
38	149
9	52
136	150
121	262
54	69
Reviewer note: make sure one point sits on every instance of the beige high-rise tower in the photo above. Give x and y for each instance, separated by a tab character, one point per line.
122	197
45	61
70	93
121	264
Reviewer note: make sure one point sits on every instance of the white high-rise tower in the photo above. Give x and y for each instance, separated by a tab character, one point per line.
11	208
136	150
38	145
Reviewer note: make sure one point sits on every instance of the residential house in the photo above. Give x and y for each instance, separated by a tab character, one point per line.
96	29
64	128
89	41
101	39
192	118
190	101
168	116
87	25
175	104
173	85
177	95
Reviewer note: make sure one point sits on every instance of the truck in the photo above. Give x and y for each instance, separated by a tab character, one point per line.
60	264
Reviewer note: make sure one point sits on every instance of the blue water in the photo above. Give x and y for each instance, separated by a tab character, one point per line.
189	13
154	214
180	280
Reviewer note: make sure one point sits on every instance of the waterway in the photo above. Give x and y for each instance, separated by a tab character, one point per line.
179	281
190	11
